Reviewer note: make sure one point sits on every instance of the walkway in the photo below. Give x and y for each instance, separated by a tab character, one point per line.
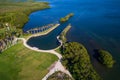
58	66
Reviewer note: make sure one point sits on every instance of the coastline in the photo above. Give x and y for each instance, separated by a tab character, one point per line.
94	36
58	65
41	34
60	41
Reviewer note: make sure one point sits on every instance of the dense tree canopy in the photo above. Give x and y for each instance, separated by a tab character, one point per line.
106	58
77	60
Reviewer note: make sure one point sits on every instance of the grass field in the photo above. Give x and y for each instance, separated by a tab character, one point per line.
20	63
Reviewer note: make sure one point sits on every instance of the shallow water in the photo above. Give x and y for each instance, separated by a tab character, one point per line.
96	24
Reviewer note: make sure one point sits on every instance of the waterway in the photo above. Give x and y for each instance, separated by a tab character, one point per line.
96	24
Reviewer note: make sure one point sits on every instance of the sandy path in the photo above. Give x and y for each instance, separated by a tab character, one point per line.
58	65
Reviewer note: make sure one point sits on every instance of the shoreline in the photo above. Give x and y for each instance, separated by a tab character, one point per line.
45	33
60	41
58	65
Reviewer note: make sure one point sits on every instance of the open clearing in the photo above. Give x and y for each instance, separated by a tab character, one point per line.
20	63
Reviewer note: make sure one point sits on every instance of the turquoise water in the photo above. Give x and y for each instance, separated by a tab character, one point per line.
96	24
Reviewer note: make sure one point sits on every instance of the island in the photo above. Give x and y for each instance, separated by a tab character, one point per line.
66	18
106	58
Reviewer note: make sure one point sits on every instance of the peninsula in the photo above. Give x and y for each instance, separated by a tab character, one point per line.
62	36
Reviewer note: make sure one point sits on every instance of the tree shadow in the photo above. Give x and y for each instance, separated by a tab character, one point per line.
96	54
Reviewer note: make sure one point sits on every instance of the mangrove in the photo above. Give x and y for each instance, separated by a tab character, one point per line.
66	18
77	60
106	58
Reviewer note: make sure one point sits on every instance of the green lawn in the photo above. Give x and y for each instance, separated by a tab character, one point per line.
20	63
